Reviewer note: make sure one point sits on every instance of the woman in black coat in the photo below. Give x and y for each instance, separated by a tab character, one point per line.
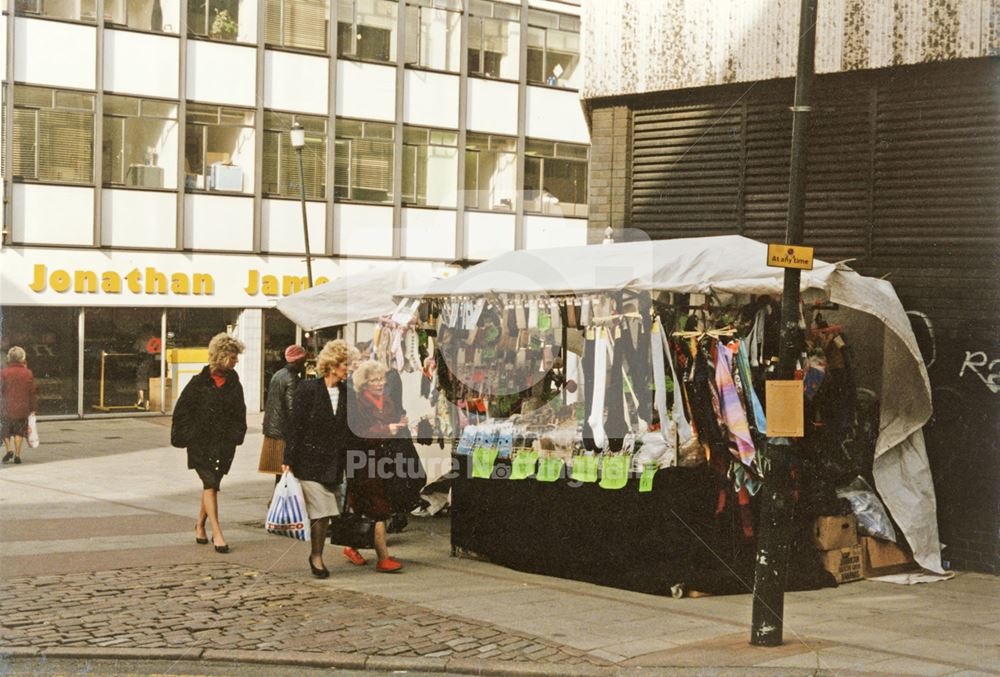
210	420
317	443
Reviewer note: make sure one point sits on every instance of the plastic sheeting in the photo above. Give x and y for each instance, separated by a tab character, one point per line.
737	265
354	298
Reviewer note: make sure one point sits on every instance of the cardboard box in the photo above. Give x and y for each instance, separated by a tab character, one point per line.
833	533
882	558
844	563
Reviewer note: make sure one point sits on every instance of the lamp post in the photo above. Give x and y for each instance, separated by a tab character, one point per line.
298	139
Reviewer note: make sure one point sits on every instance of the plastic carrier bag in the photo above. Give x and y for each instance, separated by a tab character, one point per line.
287	515
873	519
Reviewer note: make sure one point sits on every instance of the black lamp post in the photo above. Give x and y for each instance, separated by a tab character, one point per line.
298	139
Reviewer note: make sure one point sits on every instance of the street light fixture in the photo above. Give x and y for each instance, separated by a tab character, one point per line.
297	135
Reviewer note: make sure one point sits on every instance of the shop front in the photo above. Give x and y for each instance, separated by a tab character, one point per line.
122	332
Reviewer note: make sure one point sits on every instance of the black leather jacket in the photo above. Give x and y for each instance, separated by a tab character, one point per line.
278	410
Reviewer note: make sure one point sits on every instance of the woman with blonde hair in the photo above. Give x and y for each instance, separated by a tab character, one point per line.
210	420
317	444
18	401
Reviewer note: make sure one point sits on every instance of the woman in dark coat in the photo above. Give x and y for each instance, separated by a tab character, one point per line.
377	420
210	420
317	442
18	400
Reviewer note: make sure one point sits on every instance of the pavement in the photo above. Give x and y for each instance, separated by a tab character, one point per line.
98	563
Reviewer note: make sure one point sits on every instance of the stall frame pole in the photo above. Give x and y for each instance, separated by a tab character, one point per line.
777	512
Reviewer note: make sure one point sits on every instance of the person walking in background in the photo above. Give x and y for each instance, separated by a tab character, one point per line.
376	419
317	443
210	420
18	401
278	410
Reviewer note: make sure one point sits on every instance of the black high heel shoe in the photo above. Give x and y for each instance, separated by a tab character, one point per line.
222	549
321	572
200	541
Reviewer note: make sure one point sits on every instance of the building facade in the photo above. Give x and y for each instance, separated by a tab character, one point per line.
151	192
691	131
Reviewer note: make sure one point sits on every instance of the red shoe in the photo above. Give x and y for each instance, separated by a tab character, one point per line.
355	557
388	566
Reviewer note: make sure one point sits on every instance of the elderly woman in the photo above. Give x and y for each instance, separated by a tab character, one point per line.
376	419
317	443
210	420
18	400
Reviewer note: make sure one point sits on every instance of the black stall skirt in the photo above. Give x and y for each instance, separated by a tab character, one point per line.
646	542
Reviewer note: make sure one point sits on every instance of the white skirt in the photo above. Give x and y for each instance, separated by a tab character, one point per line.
320	501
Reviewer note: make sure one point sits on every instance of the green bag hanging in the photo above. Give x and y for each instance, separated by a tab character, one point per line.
584	468
482	462
614	471
646	481
549	469
524	464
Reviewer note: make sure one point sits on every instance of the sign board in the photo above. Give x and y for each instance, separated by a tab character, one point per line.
790	256
785	409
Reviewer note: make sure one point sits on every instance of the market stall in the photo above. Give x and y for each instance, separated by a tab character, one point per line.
607	403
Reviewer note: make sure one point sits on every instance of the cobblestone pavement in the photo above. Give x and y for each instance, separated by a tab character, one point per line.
229	607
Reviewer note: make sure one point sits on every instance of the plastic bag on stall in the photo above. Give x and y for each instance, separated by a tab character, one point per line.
873	519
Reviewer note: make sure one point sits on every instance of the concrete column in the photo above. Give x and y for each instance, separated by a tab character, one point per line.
250	329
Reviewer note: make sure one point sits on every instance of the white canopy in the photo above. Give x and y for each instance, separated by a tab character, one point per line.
354	298
884	348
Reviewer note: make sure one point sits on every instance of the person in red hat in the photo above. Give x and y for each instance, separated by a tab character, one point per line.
278	410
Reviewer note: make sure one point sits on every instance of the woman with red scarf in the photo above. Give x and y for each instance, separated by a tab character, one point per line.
376	420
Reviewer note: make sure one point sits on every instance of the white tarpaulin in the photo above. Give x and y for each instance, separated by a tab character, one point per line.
737	265
354	298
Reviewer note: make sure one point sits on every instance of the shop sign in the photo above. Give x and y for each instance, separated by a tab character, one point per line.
149	280
790	256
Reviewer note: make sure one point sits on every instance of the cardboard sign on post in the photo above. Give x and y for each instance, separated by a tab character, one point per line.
785	409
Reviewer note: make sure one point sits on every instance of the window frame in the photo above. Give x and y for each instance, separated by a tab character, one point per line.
350	157
477	18
414	149
116	116
536	23
192	35
37	136
188	125
475	154
535	155
393	58
419	6
267	129
325	50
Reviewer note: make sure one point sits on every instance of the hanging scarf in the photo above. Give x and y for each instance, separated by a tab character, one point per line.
588	390
731	409
596	419
616	426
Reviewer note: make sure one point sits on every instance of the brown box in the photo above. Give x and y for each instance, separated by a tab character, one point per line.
844	563
154	394
833	533
882	558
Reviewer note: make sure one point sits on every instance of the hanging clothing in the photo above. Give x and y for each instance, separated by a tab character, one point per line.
731	408
596	419
590	345
616	426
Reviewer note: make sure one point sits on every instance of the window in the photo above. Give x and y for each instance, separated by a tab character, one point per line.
281	166
555	178
229	20
553	49
430	167
494	39
143	15
366	29
364	154
434	34
299	24
140	142
53	135
74	10
490	172
218	148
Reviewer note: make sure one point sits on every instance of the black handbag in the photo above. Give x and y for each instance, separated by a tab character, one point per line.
352	529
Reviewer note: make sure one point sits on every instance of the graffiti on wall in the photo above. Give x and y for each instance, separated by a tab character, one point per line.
977	363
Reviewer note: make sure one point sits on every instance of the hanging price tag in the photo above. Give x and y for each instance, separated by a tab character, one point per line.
785	409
